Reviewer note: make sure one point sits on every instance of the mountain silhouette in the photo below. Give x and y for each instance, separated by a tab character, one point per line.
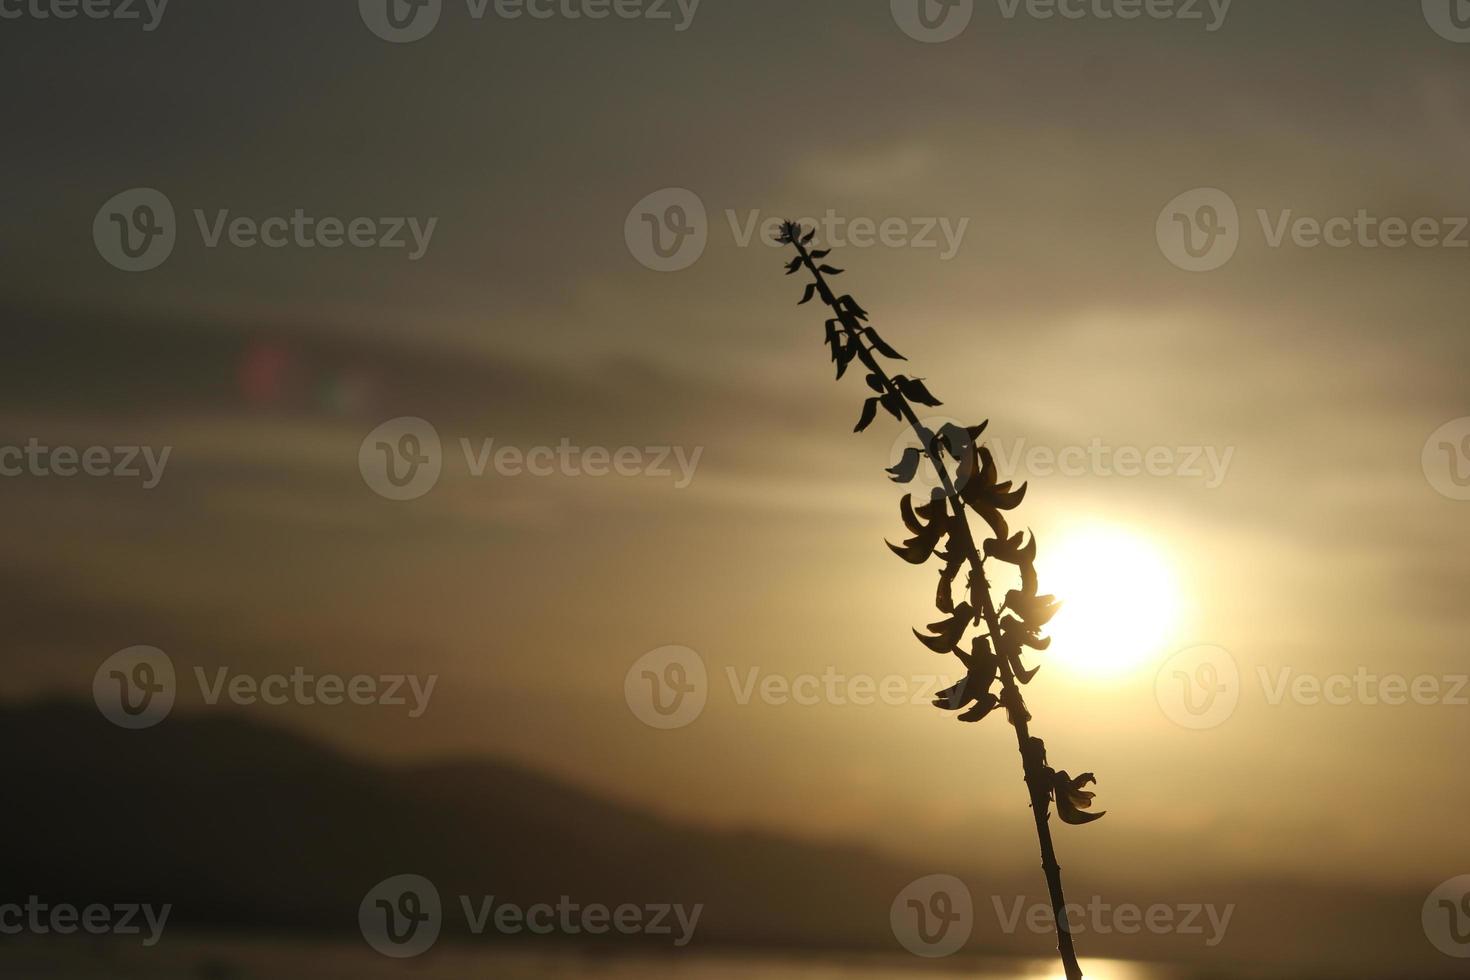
252	829
245	827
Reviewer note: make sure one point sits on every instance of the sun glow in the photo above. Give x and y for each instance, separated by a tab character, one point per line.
1121	599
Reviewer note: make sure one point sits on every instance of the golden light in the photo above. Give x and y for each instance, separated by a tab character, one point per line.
1121	599
1094	970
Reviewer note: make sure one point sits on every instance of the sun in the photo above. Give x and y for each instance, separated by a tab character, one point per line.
1121	599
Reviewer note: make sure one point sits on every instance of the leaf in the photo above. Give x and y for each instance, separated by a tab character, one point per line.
881	346
809	236
822	253
1010	550
876	383
1035	611
1072	799
1017	634
947	632
992	517
962	440
936	509
829	270
982	491
914	391
907	467
955	697
956	623
974	474
870	412
983	707
956	440
926	536
851	307
1004	498
893	402
982	672
794	265
915	550
844	359
906	509
1029	584
938	644
811	291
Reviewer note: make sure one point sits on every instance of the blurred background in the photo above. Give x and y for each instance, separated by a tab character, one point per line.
394	395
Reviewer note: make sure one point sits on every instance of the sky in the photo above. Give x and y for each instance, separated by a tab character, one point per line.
1302	517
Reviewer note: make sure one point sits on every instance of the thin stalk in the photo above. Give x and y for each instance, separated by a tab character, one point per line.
1032	765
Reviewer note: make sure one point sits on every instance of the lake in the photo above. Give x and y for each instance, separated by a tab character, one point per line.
236	960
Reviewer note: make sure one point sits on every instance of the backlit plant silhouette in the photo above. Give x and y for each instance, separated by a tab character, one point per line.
940	529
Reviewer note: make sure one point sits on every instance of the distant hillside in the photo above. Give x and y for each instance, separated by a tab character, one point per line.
243	826
247	828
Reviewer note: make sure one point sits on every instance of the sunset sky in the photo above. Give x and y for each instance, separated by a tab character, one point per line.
1312	378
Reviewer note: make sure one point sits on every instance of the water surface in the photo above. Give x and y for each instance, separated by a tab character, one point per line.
235	960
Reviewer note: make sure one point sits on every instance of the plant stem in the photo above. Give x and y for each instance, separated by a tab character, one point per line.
1032	764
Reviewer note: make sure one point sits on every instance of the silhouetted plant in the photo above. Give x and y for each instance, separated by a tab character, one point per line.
940	529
